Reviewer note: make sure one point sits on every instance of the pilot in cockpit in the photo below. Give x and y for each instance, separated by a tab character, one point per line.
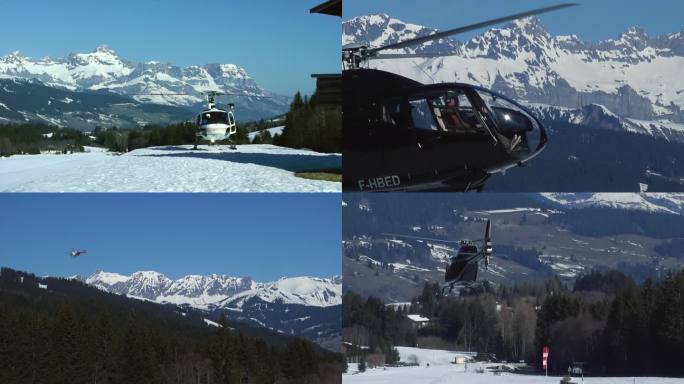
453	119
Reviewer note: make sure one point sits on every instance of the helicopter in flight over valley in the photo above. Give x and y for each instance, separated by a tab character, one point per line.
402	135
461	270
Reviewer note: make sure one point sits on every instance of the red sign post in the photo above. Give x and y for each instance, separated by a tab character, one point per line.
545	360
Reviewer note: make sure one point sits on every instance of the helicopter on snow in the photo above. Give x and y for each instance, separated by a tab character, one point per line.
213	123
462	268
402	135
77	253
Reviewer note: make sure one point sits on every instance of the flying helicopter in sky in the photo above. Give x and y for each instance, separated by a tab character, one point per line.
77	253
402	135
461	270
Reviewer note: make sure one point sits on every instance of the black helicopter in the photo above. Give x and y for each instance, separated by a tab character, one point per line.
402	135
461	272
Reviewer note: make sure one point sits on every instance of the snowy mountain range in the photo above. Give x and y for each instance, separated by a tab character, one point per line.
103	69
633	82
670	203
30	100
204	292
303	306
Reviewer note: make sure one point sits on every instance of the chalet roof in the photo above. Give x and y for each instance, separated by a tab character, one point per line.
418	318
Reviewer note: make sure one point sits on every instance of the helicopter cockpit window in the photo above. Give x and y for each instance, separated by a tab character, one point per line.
468	249
391	112
214	118
510	119
421	114
454	113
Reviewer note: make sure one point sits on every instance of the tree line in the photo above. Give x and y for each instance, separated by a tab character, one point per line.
32	138
311	125
67	332
307	125
614	325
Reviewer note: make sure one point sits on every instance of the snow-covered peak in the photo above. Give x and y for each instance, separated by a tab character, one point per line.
532	26
104	69
201	291
151	277
17	55
380	29
633	33
101	55
106	278
308	291
105	49
672	203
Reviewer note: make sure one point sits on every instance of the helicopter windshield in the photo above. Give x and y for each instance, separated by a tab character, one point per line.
512	121
468	249
214	117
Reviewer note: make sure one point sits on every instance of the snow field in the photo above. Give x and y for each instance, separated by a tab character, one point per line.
441	371
251	168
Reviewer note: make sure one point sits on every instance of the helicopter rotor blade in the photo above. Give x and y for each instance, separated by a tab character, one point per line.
161	94
245	95
407	55
422	238
468	28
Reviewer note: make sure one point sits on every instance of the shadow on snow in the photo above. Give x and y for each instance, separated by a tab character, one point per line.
287	162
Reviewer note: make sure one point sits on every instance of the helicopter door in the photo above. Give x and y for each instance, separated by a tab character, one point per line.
232	128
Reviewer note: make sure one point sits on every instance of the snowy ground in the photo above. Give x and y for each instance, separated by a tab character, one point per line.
441	371
250	168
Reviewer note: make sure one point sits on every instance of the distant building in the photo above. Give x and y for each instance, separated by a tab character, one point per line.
418	321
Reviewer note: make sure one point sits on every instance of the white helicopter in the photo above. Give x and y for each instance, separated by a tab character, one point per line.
213	123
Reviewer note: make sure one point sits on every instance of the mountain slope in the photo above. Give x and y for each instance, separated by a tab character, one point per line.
66	331
103	69
302	306
31	100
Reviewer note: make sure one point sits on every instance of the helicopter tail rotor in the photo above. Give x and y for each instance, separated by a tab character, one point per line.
488	249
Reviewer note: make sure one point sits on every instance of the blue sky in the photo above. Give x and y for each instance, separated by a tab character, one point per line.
265	236
593	20
278	42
